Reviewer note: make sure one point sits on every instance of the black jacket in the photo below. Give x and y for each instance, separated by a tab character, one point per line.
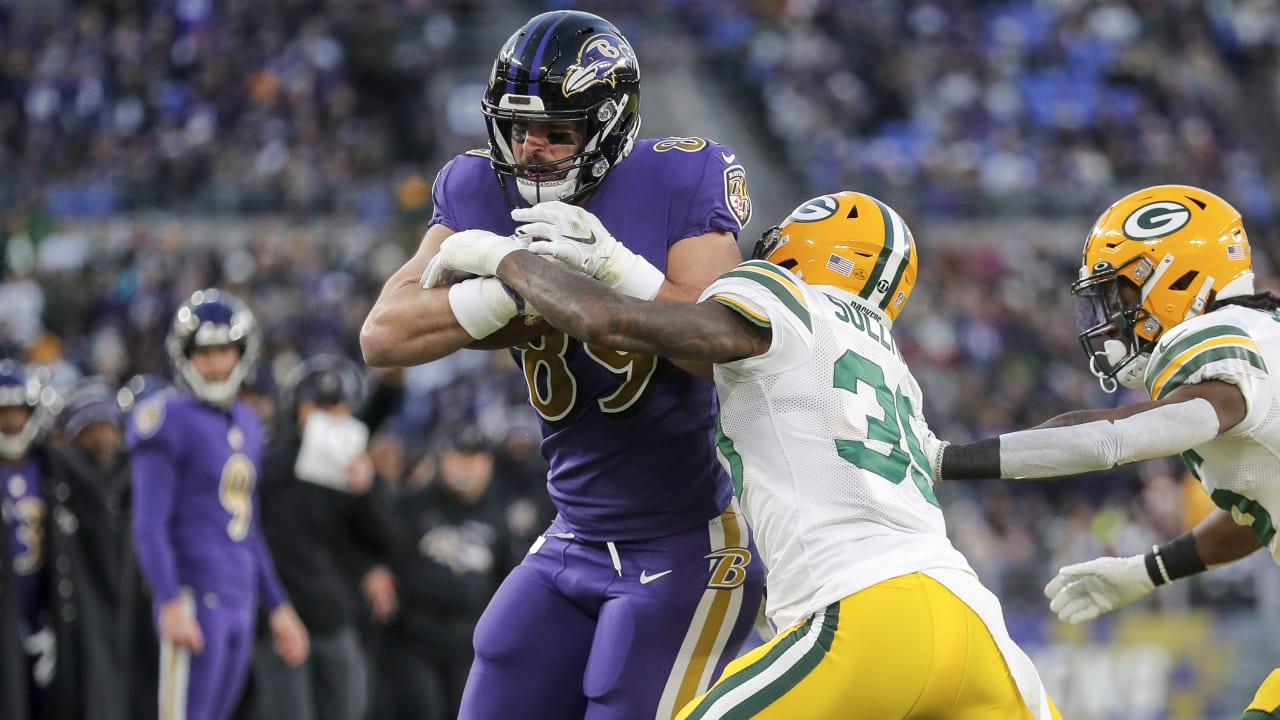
322	540
85	684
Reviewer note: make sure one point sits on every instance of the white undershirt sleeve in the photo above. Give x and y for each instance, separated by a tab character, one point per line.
1103	444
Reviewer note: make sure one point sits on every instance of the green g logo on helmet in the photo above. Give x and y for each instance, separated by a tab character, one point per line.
819	208
1156	220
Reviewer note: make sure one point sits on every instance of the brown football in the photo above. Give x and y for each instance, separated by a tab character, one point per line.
515	332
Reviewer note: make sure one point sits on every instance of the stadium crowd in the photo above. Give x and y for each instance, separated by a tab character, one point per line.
309	108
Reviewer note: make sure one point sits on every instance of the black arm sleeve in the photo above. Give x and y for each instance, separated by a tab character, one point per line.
975	461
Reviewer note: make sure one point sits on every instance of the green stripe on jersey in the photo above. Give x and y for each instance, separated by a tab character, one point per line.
1181	345
1239	505
725	445
773	282
1193	461
1229	352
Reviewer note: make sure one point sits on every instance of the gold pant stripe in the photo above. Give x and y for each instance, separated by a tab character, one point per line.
708	633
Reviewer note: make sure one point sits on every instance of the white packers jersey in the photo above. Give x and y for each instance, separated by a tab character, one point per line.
1241	467
822	436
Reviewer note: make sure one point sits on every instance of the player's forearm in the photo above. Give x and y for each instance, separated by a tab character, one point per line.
410	325
1220	540
579	306
1156	431
591	312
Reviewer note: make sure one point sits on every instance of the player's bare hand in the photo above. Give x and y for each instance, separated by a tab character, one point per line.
178	623
379	588
290	635
360	473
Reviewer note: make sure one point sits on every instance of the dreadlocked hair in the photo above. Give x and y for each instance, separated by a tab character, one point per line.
1266	301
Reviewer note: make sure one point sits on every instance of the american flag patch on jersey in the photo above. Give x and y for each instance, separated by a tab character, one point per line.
1235	252
844	266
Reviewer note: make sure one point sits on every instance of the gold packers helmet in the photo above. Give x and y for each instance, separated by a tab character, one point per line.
851	241
1154	259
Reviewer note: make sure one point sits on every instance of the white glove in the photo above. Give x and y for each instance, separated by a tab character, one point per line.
1086	590
577	238
468	253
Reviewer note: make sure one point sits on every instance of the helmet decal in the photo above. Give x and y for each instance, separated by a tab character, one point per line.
819	208
598	60
1156	220
849	241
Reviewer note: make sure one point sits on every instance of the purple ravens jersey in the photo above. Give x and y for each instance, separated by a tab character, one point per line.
630	439
195	467
23	510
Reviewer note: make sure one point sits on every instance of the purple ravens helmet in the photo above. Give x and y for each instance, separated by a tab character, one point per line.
213	318
563	66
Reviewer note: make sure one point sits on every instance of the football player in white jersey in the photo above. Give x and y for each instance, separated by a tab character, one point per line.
821	427
1165	300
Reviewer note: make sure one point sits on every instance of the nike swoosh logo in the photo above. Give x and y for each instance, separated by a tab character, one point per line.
729	157
646	578
584	240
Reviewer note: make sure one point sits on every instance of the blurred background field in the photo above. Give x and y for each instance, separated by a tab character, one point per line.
285	149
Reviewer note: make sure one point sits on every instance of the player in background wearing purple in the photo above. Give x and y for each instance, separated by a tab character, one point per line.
51	664
195	458
646	583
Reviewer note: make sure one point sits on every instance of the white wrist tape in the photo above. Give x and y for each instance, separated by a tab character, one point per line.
481	306
1103	444
642	280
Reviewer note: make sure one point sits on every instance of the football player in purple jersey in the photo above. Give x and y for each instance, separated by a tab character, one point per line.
646	583
195	458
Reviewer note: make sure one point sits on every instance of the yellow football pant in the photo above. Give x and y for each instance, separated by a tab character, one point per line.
1266	703
904	648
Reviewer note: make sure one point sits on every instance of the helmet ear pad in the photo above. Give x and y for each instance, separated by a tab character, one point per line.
851	241
563	66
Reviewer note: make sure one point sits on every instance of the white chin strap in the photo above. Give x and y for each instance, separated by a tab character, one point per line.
215	393
535	192
15	446
1131	375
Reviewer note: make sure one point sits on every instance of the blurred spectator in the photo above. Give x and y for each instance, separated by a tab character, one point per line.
460	551
329	544
97	472
58	660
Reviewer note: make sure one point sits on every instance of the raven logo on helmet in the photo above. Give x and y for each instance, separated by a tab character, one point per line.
598	60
